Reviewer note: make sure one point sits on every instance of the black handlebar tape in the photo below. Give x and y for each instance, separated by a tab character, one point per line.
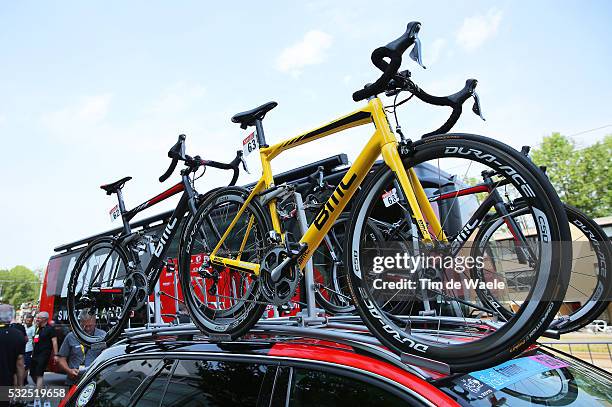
234	177
452	120
233	165
169	171
379	55
393	51
455	101
389	69
221	166
450	100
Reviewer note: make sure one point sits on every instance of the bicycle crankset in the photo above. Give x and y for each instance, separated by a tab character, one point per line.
282	290
137	283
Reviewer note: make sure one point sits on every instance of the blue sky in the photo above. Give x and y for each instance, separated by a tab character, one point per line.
93	92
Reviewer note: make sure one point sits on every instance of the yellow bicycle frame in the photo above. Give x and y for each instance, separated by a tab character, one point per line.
383	141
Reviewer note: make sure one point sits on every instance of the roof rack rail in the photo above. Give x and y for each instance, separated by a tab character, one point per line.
348	333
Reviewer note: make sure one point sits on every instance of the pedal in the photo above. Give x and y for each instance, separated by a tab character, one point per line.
294	248
274	237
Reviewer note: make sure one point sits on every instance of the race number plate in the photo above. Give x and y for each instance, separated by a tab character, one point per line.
249	144
114	213
389	198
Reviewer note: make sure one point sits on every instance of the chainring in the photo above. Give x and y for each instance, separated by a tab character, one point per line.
139	280
281	291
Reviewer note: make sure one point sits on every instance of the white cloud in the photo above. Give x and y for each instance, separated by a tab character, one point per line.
436	51
176	109
2	118
477	29
178	97
309	51
89	112
94	108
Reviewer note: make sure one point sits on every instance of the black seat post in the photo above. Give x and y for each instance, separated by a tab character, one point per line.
126	226
261	138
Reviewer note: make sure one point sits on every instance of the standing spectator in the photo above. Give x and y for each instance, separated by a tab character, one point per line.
73	357
12	348
44	342
30	330
22	330
19	327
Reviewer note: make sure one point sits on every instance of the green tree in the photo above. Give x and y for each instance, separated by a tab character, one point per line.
581	177
19	285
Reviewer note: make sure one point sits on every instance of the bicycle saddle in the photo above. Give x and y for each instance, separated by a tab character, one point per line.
248	118
115	186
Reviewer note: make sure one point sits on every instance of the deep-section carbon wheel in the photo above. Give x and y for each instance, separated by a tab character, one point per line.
439	319
99	301
590	284
219	299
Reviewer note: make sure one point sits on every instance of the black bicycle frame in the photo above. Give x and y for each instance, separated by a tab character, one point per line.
495	201
186	203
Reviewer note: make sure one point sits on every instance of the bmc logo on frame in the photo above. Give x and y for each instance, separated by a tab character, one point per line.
164	238
333	201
